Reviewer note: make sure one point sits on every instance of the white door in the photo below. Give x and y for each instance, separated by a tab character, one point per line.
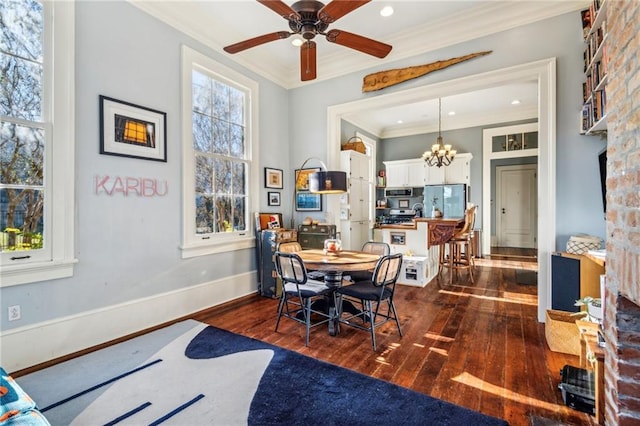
516	204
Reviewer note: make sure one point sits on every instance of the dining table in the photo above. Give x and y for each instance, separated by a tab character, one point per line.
336	265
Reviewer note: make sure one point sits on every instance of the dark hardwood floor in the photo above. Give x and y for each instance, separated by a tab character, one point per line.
476	345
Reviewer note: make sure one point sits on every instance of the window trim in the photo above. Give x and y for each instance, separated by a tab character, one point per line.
192	245
59	36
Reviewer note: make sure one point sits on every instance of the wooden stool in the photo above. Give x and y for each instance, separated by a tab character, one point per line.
460	247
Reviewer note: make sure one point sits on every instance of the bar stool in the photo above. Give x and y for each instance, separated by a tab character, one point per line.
461	248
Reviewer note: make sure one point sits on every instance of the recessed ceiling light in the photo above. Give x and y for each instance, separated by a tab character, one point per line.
386	11
452	113
400	121
297	42
515	102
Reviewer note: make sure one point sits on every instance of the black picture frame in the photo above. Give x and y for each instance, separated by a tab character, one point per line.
273	178
134	131
273	198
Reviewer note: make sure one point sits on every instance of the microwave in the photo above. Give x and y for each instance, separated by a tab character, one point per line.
398	192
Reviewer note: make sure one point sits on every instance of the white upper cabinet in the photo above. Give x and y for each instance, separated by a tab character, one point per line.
405	173
355	164
459	171
415	173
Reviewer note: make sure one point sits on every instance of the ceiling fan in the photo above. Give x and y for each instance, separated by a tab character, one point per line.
309	18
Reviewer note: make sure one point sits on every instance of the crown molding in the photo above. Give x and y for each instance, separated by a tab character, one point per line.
484	20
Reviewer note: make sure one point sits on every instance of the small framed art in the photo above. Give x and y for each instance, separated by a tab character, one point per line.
273	198
129	130
272	178
308	202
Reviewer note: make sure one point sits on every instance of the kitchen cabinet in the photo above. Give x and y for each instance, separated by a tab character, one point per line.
356	206
406	173
355	164
416	173
355	233
459	171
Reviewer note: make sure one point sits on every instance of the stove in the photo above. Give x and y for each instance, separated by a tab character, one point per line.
397	216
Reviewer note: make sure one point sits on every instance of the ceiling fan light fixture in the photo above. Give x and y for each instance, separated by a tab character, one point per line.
297	42
386	11
441	154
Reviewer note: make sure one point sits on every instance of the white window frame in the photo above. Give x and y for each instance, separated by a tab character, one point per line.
57	259
192	243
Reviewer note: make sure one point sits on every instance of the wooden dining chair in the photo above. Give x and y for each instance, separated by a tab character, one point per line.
375	296
299	292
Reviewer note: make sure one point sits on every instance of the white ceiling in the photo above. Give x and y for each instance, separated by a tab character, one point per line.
416	27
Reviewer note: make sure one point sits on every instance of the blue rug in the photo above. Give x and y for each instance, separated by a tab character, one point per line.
202	375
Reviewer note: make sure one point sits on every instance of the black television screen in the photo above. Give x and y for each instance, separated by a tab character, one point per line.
602	160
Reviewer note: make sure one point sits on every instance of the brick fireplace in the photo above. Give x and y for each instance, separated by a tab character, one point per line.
622	293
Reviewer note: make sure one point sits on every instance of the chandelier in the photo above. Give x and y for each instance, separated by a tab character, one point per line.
440	154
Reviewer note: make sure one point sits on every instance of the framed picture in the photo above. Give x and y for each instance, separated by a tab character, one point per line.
308	202
273	179
403	204
273	198
129	130
302	178
305	200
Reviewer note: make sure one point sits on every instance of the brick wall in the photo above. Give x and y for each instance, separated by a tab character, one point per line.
622	295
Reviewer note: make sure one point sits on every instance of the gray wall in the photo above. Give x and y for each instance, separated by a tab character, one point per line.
127	247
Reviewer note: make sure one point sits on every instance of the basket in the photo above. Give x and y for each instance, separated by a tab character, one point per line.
582	243
354	144
562	333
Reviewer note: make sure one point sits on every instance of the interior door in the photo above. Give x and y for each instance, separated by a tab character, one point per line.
516	201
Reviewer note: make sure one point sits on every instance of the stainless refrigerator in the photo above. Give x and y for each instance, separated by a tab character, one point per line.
450	199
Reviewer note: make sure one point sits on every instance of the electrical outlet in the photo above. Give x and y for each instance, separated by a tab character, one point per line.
14	313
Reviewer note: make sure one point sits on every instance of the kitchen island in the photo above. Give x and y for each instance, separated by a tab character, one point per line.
421	237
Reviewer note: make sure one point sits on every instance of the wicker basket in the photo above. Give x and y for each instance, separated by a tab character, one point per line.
562	333
354	144
581	243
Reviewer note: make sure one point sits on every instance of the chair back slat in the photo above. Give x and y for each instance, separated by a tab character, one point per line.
387	270
290	247
290	268
376	247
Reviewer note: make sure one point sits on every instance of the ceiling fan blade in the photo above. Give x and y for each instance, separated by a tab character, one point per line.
358	42
256	41
282	9
308	61
338	8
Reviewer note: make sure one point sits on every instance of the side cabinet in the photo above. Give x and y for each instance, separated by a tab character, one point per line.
313	236
573	277
270	284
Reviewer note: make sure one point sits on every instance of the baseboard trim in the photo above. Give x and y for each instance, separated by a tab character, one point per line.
64	336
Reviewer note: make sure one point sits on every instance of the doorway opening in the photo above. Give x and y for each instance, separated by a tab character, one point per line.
544	72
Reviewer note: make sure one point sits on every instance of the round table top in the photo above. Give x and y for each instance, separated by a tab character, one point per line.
346	260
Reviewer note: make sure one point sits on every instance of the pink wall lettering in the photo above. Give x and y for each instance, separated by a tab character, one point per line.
130	186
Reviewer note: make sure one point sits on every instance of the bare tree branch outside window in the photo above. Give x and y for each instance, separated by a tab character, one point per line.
22	134
221	169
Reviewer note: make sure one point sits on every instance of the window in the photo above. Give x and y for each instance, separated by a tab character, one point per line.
36	230
219	174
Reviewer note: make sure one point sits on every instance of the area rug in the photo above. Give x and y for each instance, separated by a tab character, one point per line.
194	374
526	277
